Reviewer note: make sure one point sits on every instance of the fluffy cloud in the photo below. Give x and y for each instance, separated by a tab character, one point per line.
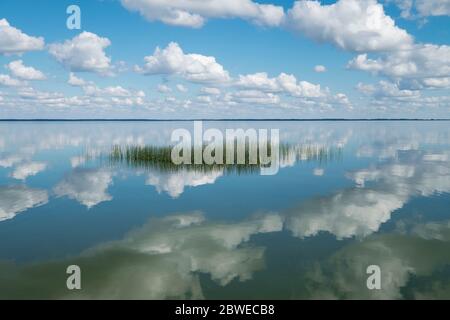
210	91
283	91
14	41
193	13
6	80
104	99
320	69
192	67
181	88
436	83
433	7
112	91
85	52
283	83
386	89
356	25
423	8
75	81
19	70
258	88
162	88
33	94
423	65
115	95
87	186
16	199
250	97
260	81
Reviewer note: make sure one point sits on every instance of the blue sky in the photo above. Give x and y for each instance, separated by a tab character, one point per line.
225	59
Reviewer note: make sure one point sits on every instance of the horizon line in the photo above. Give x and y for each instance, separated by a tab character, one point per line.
217	119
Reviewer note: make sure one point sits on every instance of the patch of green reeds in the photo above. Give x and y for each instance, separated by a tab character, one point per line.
159	157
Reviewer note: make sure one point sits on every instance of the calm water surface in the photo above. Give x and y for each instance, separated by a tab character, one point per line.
347	195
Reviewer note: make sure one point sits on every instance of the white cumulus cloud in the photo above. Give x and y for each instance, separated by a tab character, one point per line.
355	25
75	81
14	41
192	67
8	81
181	88
283	83
194	13
85	52
162	88
424	65
423	8
320	69
19	70
210	91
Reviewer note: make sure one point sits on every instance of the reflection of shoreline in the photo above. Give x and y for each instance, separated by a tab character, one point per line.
149	157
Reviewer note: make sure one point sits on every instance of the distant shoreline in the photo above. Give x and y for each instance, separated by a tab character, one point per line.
213	120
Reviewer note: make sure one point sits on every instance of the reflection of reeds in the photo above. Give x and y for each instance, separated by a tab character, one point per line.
310	153
159	158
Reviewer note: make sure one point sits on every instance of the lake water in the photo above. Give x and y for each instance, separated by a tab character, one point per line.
348	195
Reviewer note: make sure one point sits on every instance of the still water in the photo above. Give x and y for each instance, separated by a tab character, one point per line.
347	195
